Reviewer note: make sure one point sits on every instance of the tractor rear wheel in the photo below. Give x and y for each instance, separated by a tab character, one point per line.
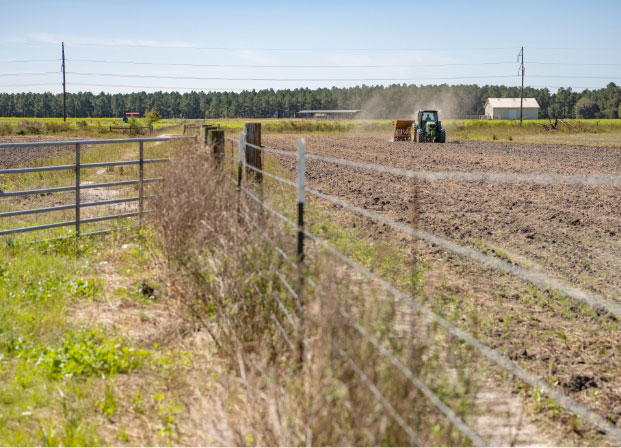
442	137
420	136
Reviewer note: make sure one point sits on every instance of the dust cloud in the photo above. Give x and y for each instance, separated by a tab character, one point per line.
389	104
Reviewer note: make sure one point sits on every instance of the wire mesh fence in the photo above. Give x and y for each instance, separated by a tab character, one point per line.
535	278
289	316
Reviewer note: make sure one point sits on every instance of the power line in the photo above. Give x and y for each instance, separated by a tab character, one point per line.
29	60
123	85
30	74
192	47
287	66
208	48
577	64
30	44
575	48
154	87
31	85
565	87
233	89
282	79
575	77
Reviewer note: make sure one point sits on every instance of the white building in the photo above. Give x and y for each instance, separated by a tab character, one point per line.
509	109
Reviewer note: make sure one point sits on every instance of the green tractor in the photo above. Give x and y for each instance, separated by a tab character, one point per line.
428	128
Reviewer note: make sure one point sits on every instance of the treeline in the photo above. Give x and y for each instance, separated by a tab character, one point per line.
375	102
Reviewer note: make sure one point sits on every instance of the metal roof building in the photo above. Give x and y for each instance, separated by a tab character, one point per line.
509	108
348	113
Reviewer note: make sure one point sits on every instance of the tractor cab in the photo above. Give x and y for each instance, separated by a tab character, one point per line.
429	128
427	116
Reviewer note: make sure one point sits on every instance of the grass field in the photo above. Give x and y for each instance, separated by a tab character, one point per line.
12	126
579	132
70	381
108	365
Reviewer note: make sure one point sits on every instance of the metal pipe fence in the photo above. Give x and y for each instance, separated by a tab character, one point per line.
78	186
537	279
297	261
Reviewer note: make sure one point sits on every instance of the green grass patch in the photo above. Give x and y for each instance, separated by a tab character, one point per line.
84	353
52	369
536	131
83	127
569	131
298	126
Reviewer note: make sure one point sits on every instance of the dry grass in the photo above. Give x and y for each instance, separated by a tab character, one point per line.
83	127
294	387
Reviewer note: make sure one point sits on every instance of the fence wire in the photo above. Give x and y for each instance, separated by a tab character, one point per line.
596	301
581	180
385	403
283	332
449	413
531	379
541	280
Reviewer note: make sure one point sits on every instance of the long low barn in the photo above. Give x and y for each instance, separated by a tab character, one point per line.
509	109
342	114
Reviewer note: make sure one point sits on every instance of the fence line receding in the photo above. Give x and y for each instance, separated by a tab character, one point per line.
539	280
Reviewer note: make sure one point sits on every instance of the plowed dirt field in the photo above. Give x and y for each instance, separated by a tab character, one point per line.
567	232
25	157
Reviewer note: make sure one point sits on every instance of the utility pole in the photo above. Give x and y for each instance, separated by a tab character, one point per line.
521	70
64	87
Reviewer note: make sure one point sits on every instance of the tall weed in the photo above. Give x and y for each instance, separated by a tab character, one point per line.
302	357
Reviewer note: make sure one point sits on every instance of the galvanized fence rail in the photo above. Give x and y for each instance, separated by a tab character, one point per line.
539	280
77	166
249	156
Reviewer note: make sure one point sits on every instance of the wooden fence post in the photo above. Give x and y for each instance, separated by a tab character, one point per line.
204	133
215	141
254	157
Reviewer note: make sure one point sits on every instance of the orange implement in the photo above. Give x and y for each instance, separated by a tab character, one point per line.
402	130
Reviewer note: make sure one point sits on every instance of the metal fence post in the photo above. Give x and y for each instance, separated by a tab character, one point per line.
77	189
301	173
140	182
301	170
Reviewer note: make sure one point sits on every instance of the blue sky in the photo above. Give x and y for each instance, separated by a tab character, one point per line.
238	45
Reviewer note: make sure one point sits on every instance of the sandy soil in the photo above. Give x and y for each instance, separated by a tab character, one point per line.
570	233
